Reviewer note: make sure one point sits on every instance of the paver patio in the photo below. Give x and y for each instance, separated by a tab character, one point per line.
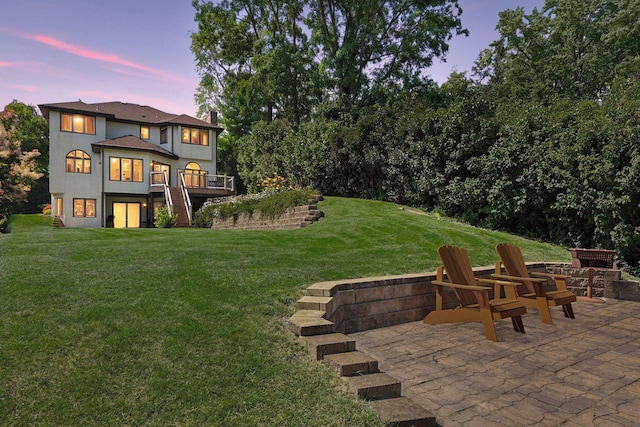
578	372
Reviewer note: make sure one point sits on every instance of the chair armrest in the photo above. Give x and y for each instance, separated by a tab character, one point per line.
559	279
456	285
481	293
499	282
551	275
509	288
538	284
519	279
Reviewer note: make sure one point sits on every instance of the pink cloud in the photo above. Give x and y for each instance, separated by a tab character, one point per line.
25	88
99	56
20	64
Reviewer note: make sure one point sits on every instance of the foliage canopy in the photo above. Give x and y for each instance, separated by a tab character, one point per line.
261	60
541	140
18	165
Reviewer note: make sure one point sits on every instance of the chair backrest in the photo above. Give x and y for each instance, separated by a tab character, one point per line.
513	262
458	268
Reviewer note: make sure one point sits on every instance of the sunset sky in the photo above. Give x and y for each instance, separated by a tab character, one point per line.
138	51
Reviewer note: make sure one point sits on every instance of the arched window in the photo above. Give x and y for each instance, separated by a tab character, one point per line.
193	166
193	176
78	162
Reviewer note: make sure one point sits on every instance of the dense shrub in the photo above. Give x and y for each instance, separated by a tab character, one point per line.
566	172
164	219
545	144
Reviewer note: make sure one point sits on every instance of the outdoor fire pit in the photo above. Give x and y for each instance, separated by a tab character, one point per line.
592	258
595	258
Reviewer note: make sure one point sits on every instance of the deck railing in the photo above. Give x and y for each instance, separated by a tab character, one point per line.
190	180
195	179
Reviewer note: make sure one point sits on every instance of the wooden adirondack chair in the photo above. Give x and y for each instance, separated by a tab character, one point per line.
475	304
531	290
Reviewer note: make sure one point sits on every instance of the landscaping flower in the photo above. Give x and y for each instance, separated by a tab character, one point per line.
276	182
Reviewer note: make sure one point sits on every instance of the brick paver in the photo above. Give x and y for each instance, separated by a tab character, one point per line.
582	372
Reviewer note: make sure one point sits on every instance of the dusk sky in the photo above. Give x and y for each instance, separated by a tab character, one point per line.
138	51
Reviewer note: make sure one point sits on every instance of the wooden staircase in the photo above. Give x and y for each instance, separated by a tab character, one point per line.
179	207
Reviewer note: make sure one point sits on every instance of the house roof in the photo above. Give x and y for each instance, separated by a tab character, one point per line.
121	111
131	142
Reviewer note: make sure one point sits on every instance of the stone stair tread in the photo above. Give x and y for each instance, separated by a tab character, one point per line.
403	412
351	363
320	345
310	321
313	298
308	314
374	386
321	289
309	302
302	325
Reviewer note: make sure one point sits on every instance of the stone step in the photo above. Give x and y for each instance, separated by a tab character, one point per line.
318	346
374	386
351	363
318	303
403	412
310	322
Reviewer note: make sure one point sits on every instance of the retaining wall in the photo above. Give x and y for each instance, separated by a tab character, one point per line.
623	290
361	304
300	216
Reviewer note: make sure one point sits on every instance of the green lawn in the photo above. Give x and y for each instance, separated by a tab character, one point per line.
186	326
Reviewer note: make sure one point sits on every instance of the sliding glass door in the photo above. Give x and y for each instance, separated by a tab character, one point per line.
126	215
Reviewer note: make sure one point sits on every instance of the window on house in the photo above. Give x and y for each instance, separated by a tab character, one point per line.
195	136
78	162
194	177
144	132
84	208
164	136
123	169
59	206
77	123
160	167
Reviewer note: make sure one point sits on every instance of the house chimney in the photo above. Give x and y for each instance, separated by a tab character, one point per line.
212	117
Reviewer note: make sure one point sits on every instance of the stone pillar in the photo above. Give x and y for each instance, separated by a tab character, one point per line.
579	281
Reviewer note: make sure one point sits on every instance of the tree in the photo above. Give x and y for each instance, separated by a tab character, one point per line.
265	151
17	167
254	60
32	130
571	48
565	81
365	43
257	59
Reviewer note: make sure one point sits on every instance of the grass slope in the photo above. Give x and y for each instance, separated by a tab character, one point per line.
185	326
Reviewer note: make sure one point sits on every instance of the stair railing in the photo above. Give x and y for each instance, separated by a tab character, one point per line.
185	196
164	183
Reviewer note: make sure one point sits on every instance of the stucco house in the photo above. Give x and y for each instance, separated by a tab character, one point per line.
113	164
